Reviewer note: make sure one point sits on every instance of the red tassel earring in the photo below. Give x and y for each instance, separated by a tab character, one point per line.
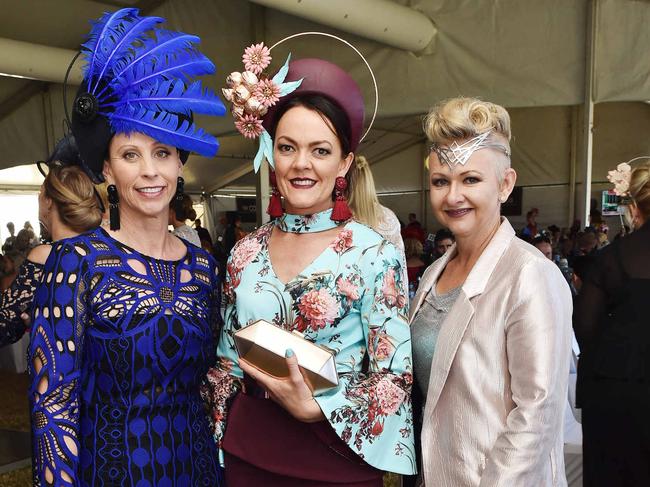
341	211
275	209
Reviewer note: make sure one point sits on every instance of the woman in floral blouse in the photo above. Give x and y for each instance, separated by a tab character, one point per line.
337	282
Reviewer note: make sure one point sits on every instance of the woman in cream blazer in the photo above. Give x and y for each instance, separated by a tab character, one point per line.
497	386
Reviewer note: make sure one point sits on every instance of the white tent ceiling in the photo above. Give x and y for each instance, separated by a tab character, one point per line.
525	54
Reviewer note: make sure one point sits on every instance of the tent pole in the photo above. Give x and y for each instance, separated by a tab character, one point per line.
35	61
424	185
384	21
584	203
262	187
575	121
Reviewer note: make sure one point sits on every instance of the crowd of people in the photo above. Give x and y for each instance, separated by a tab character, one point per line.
448	356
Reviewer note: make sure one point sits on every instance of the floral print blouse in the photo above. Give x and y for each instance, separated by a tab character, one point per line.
351	299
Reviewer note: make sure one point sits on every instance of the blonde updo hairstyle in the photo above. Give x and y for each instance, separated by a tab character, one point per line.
459	119
73	193
640	189
362	194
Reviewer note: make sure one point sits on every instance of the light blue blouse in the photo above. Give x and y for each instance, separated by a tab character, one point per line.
351	298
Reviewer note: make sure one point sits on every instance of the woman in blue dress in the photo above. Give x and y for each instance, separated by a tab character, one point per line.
125	319
316	271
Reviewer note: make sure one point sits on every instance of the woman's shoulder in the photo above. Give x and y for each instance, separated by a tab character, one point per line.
39	254
526	264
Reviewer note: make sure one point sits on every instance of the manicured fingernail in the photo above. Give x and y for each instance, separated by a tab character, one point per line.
288	353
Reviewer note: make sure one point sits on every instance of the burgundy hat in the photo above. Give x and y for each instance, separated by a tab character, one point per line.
324	78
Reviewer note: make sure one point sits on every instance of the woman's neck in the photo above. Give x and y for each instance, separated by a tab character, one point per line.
60	230
147	235
470	247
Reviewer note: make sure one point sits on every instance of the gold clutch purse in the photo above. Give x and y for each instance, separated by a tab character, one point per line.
264	344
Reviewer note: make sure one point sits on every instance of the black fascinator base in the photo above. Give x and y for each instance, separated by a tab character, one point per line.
92	134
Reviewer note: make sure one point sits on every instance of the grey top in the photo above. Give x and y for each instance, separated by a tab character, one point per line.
425	330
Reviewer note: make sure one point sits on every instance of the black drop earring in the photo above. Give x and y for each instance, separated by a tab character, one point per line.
178	197
113	207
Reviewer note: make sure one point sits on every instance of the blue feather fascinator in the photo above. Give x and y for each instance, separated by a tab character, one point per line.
138	77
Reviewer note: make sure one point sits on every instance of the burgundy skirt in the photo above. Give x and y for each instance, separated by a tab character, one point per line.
265	445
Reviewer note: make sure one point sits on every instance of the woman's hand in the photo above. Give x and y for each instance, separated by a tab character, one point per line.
293	393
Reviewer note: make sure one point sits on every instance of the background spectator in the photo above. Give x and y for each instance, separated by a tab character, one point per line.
443	240
25	241
414	229
203	232
414	264
543	244
587	243
233	231
9	242
178	214
530	230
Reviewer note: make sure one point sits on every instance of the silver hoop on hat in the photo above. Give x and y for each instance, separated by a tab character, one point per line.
372	74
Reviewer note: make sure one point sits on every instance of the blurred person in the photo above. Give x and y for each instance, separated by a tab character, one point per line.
543	244
24	241
555	234
181	209
203	232
443	241
68	205
587	243
582	265
9	241
12	260
414	263
596	222
491	322
625	230
233	232
365	206
566	246
530	230
414	229
611	325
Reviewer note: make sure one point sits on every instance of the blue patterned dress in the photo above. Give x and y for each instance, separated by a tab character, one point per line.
119	346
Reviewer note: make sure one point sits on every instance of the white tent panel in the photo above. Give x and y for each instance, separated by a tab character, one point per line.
400	172
22	134
622	40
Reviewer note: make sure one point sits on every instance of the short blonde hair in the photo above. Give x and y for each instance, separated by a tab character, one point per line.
640	188
464	118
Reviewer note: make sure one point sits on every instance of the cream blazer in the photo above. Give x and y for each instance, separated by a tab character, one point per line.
498	388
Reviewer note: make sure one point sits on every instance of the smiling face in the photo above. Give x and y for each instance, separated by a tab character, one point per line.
308	159
468	198
145	173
